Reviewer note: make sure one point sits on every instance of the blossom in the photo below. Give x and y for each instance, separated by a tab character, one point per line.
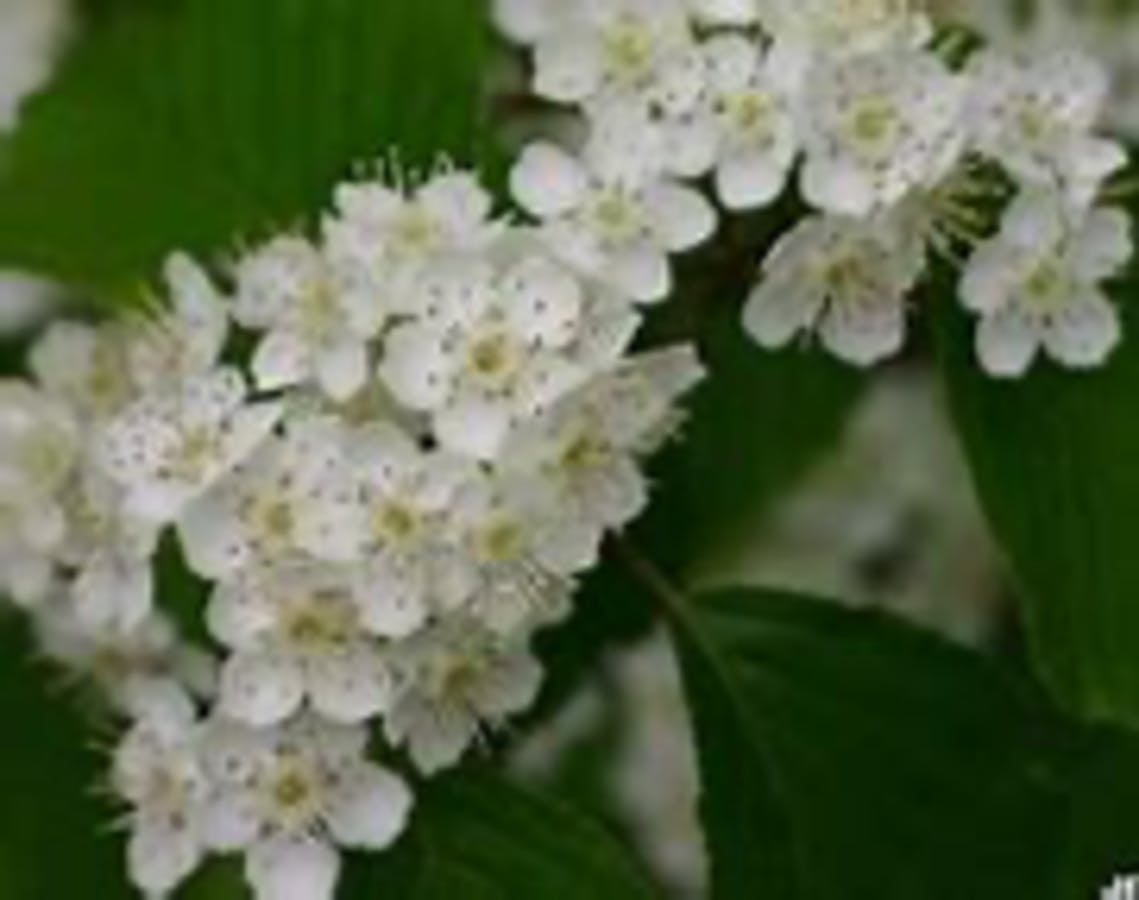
110	551
157	770
439	420
293	496
288	797
588	448
408	567
382	237
313	329
182	342
847	279
726	12
1038	284
522	550
614	227
831	29
458	676
25	301
876	127
640	48
496	342
31	34
117	662
39	447
85	367
295	632
1036	116
168	448
745	121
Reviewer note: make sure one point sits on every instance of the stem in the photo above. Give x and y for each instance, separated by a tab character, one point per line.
672	598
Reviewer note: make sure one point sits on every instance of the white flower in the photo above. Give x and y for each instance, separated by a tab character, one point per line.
85	367
875	127
846	279
31	34
588	447
523	550
409	568
1035	115
745	123
295	632
115	661
457	678
290	796
525	21
158	772
110	553
185	341
1037	283
293	496
382	237
169	448
620	230
39	448
315	330
726	12
641	48
495	343
830	29
25	301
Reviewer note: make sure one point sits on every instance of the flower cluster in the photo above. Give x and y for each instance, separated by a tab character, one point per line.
386	453
1109	31
896	145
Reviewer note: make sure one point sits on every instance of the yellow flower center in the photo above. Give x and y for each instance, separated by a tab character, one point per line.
749	112
320	622
617	215
414	232
629	49
394	522
493	358
584	451
196	453
1048	286
873	123
500	542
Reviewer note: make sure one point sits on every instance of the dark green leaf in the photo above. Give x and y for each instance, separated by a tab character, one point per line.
847	756
55	834
199	123
1054	458
477	837
755	426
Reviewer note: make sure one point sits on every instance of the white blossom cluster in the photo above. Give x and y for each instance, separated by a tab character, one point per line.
893	143
1108	30
388	453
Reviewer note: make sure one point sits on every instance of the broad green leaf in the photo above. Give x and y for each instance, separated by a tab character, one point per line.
475	836
1054	459
847	756
201	123
755	425
55	834
1100	843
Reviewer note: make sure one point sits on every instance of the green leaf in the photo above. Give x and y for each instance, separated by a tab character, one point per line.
844	755
1054	459
475	836
48	775
202	123
755	425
